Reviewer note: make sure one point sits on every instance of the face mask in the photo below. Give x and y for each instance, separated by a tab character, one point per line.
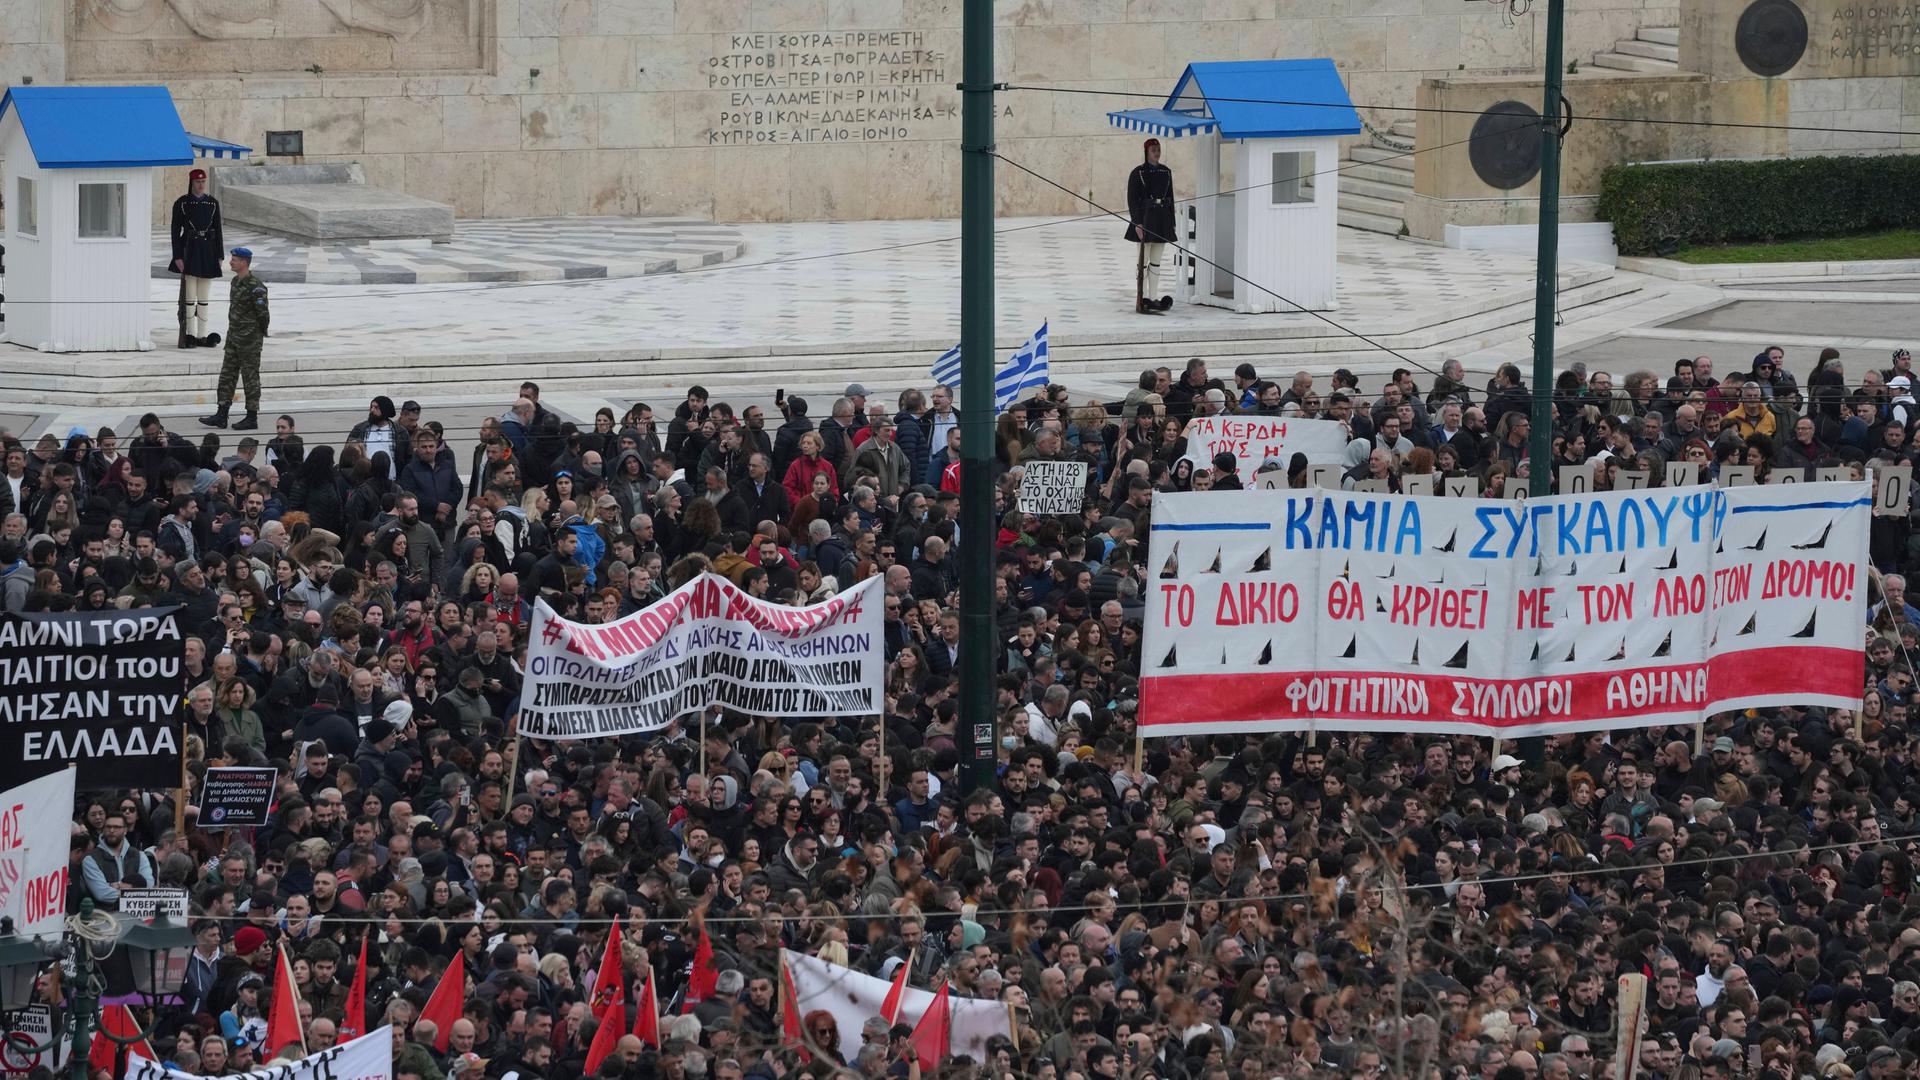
246	540
716	860
1008	742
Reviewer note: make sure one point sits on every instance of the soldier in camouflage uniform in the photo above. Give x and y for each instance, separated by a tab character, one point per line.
247	320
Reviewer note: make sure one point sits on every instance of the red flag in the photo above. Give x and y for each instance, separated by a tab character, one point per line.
444	1007
790	1013
612	1026
704	979
890	1005
355	1024
646	1022
283	1022
933	1033
609	983
104	1053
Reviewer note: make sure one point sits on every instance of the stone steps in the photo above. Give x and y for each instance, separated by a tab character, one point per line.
1374	155
1375	183
1651	49
169	379
1378	189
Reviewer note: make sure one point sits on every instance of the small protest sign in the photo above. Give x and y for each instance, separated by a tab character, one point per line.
1053	487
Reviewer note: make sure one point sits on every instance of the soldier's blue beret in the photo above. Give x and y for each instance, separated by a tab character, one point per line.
245	253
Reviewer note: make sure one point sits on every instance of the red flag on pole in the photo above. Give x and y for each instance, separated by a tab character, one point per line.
934	1032
790	1027
612	1026
283	1021
355	1024
444	1007
104	1053
646	1022
609	982
704	979
890	1005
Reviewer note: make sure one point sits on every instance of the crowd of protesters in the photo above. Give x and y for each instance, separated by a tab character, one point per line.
1357	905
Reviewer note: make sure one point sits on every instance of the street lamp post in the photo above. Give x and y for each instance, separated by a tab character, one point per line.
158	953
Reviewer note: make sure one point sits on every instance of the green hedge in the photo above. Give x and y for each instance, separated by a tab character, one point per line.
1657	209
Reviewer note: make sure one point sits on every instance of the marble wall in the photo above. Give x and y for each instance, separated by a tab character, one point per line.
735	109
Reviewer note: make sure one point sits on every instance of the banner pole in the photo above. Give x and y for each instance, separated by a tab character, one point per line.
703	741
180	793
513	763
1699	738
1496	747
1139	748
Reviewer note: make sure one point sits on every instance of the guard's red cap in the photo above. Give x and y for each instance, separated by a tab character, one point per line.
197	174
1149	142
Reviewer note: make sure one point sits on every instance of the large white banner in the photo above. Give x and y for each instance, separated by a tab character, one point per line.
707	643
36	826
369	1057
1290	610
1254	439
853	997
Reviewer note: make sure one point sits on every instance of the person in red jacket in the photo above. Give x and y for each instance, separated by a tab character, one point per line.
799	478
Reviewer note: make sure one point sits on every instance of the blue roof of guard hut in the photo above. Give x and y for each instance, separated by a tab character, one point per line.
1251	99
99	127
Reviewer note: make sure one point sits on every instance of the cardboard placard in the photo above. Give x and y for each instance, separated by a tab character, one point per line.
1630	479
1051	488
1892	490
1682	474
1460	487
1736	475
1576	479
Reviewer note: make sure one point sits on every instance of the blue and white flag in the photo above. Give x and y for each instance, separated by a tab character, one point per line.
946	370
1027	369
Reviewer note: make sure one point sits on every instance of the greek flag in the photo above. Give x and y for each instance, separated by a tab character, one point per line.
946	370
1026	369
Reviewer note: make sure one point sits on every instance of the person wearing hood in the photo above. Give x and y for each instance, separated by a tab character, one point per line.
1150	223
375	433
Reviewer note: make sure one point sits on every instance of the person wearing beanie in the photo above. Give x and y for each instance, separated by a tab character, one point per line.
1150	225
197	244
375	433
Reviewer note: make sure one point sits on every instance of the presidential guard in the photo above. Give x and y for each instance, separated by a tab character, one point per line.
1150	217
247	320
197	245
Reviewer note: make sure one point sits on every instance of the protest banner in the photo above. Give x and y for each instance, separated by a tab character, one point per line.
1252	440
148	902
369	1057
1052	487
236	796
1484	617
36	827
853	997
96	689
706	643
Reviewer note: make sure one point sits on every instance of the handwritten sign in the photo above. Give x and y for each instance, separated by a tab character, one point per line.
1253	440
1052	487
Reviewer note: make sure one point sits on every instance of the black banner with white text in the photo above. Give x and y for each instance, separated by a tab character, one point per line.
100	690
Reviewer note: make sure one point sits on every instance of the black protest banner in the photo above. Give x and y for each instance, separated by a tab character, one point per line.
100	690
236	796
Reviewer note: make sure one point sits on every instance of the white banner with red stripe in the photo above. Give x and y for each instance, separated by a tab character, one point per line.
1281	610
